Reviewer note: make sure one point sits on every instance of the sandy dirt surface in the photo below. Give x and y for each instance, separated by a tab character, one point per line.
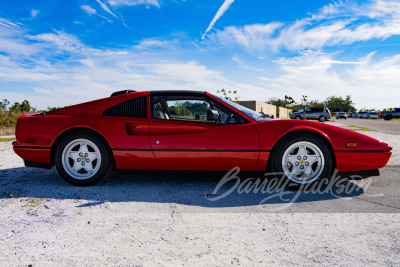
146	219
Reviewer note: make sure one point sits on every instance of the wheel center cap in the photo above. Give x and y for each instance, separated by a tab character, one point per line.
83	158
302	162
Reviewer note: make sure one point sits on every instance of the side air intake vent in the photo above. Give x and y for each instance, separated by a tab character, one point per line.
136	107
122	92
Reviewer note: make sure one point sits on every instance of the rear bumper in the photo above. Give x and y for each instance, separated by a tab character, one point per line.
352	161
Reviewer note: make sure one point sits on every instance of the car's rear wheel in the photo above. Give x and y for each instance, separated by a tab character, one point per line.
83	159
298	118
302	159
321	119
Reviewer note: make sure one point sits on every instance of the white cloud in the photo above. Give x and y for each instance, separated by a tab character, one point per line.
372	84
108	10
11	41
60	39
88	9
86	73
334	24
91	11
219	14
133	2
152	43
34	13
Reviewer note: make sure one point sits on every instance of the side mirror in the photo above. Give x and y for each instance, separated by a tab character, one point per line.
212	115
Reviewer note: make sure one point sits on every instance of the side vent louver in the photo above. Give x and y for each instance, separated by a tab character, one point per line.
136	107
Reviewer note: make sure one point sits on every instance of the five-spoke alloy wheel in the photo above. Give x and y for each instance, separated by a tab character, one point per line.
303	162
302	158
83	159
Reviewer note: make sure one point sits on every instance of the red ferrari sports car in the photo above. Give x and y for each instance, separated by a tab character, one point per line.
187	130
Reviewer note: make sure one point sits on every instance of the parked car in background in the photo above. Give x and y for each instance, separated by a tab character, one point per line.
313	113
341	115
360	114
388	115
350	115
369	115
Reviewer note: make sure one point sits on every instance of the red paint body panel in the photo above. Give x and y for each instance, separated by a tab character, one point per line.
207	161
360	161
184	145
136	160
204	146
38	155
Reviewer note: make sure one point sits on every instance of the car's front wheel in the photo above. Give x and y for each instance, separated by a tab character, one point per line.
83	159
302	159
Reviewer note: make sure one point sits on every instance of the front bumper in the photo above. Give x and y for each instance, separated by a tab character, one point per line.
351	161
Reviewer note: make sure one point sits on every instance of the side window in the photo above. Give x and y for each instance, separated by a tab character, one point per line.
136	107
317	109
189	108
226	115
194	110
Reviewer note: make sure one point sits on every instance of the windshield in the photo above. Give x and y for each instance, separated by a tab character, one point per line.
249	112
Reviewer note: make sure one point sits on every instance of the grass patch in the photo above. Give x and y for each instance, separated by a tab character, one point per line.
7	139
358	128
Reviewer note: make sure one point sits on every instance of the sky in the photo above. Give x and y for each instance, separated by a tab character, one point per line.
57	53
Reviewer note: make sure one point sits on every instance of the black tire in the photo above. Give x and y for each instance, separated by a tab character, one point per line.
286	142
321	119
368	117
388	117
298	117
106	164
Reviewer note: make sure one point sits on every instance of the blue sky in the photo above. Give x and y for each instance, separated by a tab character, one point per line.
57	53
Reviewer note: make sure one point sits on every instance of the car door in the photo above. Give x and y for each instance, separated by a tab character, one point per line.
315	113
126	125
308	113
182	138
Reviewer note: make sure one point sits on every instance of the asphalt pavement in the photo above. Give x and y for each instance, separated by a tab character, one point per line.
378	125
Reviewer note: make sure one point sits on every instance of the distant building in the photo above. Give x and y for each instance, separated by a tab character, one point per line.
277	112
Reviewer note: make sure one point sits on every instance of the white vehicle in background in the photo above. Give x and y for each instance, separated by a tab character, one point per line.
341	115
359	114
370	115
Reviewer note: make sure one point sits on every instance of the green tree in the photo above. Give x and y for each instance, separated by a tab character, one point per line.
21	107
286	103
336	104
25	106
4	104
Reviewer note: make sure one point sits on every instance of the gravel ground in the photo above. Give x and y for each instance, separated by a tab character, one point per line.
166	219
